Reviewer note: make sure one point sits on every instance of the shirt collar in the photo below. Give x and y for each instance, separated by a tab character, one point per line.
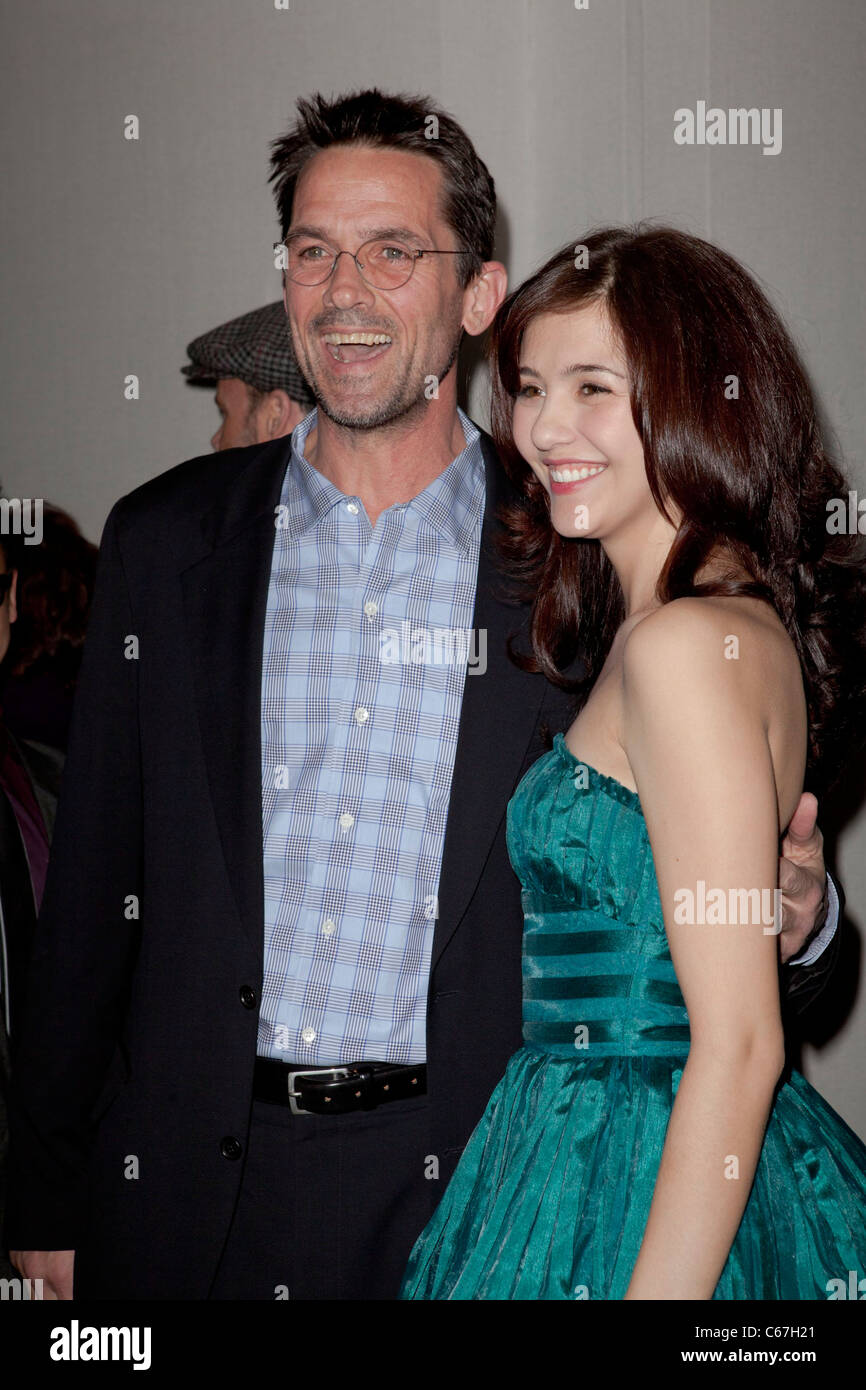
447	504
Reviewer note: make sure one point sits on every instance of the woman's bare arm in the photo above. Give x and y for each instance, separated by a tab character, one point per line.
697	743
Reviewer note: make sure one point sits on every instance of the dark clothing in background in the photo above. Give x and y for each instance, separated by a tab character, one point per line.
29	786
30	777
16	782
37	705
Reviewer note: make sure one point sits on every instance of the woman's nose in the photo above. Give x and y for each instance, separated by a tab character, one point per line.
554	425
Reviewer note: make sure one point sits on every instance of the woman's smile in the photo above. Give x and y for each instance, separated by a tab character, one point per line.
565	475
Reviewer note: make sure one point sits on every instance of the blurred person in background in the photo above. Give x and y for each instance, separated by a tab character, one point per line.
54	588
260	392
29	786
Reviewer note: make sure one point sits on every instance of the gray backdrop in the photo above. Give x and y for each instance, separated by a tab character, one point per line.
115	253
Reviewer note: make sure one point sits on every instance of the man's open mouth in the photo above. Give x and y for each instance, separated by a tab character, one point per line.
356	347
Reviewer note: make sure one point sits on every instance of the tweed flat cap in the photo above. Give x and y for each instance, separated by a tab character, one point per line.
256	347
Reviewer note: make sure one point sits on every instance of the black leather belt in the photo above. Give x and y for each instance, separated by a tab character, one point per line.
336	1090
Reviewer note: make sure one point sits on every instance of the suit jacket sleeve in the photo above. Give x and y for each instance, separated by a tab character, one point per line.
86	937
803	983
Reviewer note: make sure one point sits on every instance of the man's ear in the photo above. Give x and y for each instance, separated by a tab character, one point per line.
483	296
277	415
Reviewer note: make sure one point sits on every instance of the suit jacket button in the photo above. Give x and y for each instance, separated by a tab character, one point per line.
247	997
231	1147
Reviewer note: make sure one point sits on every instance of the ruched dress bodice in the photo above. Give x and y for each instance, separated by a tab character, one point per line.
597	972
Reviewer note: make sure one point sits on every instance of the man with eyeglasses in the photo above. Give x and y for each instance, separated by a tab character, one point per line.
280	965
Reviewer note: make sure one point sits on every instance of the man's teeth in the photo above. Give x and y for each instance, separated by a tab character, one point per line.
365	339
573	475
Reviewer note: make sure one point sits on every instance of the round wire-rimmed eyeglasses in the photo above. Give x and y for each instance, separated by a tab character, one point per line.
385	264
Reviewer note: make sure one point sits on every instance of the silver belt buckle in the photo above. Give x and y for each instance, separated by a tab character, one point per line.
337	1073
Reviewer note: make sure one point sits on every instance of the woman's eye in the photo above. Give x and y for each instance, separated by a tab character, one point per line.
593	388
526	392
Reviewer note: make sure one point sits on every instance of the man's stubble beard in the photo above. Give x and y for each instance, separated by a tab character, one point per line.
407	399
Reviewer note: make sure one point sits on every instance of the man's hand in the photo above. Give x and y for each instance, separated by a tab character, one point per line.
802	878
53	1267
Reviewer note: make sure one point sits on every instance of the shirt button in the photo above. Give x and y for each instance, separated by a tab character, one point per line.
371	608
231	1147
351	507
329	927
308	1035
361	715
346	821
247	997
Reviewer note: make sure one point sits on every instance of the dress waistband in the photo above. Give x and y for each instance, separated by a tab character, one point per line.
595	987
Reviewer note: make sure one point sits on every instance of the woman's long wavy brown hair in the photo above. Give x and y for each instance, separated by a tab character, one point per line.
730	437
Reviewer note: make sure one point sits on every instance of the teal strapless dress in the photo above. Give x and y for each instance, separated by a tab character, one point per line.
552	1193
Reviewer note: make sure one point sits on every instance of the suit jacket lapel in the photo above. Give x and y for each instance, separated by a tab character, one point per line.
225	595
499	714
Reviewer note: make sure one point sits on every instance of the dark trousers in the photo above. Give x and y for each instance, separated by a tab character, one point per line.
329	1206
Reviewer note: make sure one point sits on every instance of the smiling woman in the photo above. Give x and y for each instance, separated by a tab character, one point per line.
651	1072
660	320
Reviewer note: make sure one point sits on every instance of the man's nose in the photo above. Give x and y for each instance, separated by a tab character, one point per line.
346	286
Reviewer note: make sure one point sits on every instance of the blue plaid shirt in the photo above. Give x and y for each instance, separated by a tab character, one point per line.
361	699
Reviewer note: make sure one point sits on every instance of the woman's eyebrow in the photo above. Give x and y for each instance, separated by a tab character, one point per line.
589	367
573	370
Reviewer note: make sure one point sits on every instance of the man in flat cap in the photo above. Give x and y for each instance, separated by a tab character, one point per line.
260	392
